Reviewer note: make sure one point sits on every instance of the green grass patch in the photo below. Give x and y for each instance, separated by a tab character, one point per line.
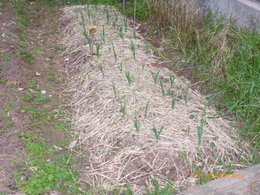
46	168
35	98
26	56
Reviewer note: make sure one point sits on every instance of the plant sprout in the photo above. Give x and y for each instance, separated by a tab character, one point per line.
121	33
157	133
146	108
125	23
123	106
133	49
170	92
107	16
155	76
129	77
114	24
103	33
114	51
98	49
185	95
137	125
201	127
121	66
172	79
101	68
162	87
173	102
114	90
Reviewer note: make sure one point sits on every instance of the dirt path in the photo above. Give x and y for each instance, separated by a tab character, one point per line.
34	119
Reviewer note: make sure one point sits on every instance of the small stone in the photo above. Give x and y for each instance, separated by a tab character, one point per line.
66	59
73	144
34	168
43	91
32	90
20	89
57	147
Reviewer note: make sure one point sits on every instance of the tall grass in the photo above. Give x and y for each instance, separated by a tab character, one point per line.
224	59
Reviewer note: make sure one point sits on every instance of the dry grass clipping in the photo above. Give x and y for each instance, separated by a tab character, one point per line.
107	107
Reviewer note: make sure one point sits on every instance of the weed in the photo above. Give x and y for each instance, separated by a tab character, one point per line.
54	77
2	82
26	56
33	85
63	125
42	176
6	58
167	190
35	98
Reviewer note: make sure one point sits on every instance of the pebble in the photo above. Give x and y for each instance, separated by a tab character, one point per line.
73	144
43	91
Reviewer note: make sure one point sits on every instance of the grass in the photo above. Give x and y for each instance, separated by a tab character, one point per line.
223	59
158	190
26	56
39	175
35	98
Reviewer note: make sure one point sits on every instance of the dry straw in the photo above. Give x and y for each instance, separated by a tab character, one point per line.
132	133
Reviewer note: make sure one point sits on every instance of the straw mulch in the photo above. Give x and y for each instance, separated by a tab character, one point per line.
119	123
